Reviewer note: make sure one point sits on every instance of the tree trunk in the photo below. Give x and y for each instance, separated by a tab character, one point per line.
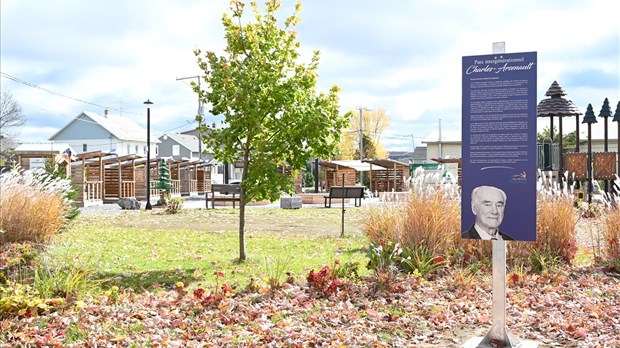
242	255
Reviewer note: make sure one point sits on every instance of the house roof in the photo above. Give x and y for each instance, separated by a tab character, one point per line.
50	147
447	136
121	127
386	163
188	141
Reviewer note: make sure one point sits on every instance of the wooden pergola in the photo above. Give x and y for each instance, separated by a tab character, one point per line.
119	177
88	178
390	177
334	174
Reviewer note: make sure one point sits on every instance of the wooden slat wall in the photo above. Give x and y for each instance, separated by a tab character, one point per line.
204	180
334	177
384	180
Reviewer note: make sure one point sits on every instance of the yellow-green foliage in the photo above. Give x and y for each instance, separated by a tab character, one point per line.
32	206
22	300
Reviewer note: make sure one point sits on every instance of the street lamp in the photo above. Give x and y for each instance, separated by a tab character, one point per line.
148	104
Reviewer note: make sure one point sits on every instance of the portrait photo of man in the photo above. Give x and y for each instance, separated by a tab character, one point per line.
488	204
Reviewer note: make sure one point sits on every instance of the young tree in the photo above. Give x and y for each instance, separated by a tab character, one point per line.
274	117
11	117
10	113
374	123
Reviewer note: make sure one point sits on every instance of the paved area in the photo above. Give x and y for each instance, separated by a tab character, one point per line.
198	202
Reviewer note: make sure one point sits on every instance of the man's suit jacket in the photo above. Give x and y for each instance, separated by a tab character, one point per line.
471	233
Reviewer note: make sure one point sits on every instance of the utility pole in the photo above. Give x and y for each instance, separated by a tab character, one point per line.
362	109
200	113
413	153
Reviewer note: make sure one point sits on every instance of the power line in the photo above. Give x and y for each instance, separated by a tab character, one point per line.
32	85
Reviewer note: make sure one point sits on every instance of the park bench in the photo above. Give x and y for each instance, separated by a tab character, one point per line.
345	192
225	193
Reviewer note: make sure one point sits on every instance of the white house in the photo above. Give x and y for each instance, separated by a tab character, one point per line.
446	145
90	132
179	146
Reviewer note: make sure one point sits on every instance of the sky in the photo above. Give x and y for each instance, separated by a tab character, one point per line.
62	57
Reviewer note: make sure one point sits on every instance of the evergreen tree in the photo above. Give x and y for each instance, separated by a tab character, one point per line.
164	182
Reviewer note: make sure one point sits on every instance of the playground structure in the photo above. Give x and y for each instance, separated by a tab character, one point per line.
579	166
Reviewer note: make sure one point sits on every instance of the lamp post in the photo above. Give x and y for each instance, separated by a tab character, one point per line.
606	113
148	104
589	118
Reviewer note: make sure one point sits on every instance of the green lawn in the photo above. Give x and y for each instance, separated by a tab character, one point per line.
142	250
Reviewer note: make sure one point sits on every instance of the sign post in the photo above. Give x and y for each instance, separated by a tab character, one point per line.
499	166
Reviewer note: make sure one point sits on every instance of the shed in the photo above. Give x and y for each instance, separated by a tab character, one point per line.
34	155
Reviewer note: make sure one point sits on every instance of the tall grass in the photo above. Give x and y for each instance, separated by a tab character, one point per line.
556	224
432	220
33	205
427	219
611	223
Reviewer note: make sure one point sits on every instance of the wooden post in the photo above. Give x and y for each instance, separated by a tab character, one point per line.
342	224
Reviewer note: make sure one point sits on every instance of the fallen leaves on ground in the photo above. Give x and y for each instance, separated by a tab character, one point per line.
578	307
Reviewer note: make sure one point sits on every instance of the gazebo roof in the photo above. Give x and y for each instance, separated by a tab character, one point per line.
387	164
347	164
556	105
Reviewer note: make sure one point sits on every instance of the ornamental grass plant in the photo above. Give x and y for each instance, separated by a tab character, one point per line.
424	222
611	233
556	229
33	205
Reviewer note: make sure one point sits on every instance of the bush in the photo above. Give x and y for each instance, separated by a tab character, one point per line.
33	205
308	179
174	205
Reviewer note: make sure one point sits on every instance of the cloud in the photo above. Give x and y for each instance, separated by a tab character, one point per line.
402	56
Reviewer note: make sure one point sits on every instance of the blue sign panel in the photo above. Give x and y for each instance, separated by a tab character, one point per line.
499	147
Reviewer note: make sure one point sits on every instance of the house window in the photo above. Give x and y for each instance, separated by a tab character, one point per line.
144	150
84	147
136	150
128	149
176	150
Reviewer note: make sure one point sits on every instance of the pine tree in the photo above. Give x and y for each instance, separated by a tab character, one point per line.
164	183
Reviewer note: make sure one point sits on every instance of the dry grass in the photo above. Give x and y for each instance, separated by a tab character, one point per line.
612	234
432	220
382	224
556	224
428	218
32	207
